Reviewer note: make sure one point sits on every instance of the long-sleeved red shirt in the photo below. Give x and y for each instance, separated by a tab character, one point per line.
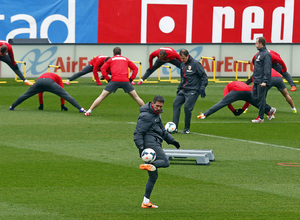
9	51
97	63
171	55
118	66
275	59
237	86
56	78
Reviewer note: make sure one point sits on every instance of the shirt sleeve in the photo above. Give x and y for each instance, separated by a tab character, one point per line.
104	68
134	69
267	68
11	54
151	57
143	125
203	76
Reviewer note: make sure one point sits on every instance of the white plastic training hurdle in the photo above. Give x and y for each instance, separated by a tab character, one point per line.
203	157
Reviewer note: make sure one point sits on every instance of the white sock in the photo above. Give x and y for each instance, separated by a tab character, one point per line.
146	200
294	109
142	80
25	80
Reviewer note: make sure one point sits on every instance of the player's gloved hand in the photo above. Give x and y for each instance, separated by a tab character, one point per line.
109	80
141	148
130	80
41	107
238	112
64	108
176	144
202	93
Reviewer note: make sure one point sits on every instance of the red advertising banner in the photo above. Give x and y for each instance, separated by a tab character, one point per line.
195	21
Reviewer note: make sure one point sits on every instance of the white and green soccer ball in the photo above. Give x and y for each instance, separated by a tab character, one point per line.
170	127
148	155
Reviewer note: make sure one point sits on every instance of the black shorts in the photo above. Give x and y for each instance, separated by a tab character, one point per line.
278	83
113	86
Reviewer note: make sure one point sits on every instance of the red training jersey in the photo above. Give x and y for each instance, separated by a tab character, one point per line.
171	55
97	63
56	78
275	59
118	66
274	73
9	51
237	86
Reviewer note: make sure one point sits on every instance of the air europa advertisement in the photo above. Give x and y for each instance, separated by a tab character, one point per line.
151	21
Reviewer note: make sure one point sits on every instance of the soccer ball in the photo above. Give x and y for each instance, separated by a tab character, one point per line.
148	155
170	127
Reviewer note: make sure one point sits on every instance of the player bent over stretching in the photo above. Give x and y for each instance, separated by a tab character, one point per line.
236	91
48	82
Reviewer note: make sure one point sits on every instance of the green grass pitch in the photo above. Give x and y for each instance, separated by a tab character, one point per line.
63	165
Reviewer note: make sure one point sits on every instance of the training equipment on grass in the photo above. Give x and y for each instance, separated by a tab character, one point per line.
170	127
214	66
140	70
58	67
203	157
238	66
148	155
24	72
170	76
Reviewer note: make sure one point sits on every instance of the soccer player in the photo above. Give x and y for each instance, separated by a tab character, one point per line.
192	84
164	55
261	77
150	133
94	66
118	66
233	92
7	56
276	81
280	67
48	82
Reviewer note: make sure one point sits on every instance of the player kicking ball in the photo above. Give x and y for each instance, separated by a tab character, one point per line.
150	133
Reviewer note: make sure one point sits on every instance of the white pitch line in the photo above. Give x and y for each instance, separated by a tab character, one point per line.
253	142
241	122
241	140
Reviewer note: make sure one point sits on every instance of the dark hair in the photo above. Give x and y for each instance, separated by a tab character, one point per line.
106	59
184	52
163	52
158	98
3	49
117	51
262	40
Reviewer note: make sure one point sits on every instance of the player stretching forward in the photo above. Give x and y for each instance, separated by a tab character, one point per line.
164	55
236	91
276	81
48	82
94	66
280	67
7	56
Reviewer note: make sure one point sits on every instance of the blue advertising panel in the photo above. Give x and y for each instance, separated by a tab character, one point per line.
61	21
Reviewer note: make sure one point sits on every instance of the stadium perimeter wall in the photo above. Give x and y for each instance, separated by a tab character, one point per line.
73	57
